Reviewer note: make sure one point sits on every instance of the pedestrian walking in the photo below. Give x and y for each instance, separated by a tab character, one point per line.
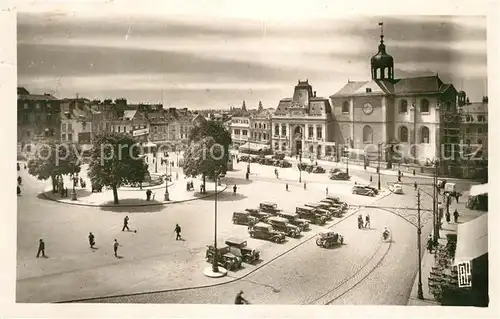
239	300
415	185
413	172
115	247
448	217
177	230
367	223
91	240
234	189
455	215
247	175
327	190
457	196
41	248
371	179
18	190
19	180
305	186
286	186
125	224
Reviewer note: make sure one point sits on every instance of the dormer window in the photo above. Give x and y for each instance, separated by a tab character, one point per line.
368	90
37	106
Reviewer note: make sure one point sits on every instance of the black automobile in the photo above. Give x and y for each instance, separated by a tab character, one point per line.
224	257
267	232
244	218
281	224
294	219
239	248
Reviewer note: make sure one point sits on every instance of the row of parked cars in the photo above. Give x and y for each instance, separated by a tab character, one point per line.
266	161
310	168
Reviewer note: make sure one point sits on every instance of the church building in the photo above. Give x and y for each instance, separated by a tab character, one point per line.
388	115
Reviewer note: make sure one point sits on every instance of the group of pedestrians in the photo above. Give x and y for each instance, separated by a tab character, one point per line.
116	244
365	223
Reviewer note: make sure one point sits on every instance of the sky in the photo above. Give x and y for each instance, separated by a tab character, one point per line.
185	54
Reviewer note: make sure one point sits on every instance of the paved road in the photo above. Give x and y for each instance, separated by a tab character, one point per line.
153	260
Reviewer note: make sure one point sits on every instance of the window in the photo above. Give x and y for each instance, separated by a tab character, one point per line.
38	119
155	129
84	126
70	137
119	128
345	108
25	106
276	146
310	131
481	118
264	136
25	118
236	132
367	135
480	141
403	106
467	141
70	127
480	130
37	106
264	126
311	149
283	147
403	134
319	132
260	136
467	130
63	137
283	129
63	127
260	125
276	130
424	106
424	135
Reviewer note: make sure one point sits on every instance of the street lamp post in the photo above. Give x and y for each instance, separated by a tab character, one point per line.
378	165
300	166
165	161
420	294
155	158
215	265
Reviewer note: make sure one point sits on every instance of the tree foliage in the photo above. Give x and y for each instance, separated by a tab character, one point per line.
52	160
203	158
218	132
116	160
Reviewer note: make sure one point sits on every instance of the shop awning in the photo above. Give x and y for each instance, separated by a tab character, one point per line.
476	190
472	239
254	146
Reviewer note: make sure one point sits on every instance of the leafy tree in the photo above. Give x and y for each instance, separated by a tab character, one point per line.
53	160
218	132
201	158
116	160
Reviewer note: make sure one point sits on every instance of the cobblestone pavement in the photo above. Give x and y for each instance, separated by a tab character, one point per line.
153	260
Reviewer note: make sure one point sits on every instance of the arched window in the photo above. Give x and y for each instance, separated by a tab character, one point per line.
403	134
403	106
424	106
260	125
345	107
424	135
276	130
367	135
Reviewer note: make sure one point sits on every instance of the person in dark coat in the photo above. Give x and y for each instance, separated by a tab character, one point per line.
41	248
125	224
305	186
177	230
18	190
415	185
448	217
18	168
457	196
91	240
286	186
19	180
115	247
234	189
239	300
455	215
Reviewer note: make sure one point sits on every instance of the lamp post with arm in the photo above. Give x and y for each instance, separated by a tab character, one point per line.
300	166
215	265
165	161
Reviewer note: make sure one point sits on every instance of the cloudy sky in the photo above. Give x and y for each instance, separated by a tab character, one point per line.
214	57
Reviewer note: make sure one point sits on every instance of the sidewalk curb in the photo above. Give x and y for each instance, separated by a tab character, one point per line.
223	188
234	279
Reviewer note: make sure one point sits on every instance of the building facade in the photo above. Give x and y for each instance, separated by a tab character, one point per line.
240	130
260	127
38	118
133	122
76	122
303	124
405	120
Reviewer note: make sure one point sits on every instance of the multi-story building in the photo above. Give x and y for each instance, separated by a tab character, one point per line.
158	123
133	122
303	124
260	127
240	130
417	114
37	119
76	122
180	123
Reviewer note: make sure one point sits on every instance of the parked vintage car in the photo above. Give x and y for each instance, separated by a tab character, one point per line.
396	188
310	214
340	176
239	248
260	215
244	158
329	239
335	170
281	224
285	164
302	166
336	200
320	209
279	156
374	189
294	219
269	207
266	231
244	218
224	257
318	170
362	190
335	209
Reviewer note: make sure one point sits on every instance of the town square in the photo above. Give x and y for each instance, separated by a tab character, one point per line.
193	172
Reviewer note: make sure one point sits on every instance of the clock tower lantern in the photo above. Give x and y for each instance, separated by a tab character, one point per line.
382	64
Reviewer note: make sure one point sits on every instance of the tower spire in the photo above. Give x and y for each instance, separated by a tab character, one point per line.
381	25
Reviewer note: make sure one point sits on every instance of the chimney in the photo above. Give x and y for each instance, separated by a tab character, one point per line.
314	95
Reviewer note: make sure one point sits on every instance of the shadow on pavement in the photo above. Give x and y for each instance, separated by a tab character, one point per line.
80	193
231	181
126	205
225	197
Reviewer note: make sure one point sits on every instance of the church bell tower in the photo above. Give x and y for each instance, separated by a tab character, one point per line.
382	64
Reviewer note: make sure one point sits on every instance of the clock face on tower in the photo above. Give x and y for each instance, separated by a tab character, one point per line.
367	108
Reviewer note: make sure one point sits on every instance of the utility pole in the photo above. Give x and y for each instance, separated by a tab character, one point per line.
378	166
434	204
420	294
